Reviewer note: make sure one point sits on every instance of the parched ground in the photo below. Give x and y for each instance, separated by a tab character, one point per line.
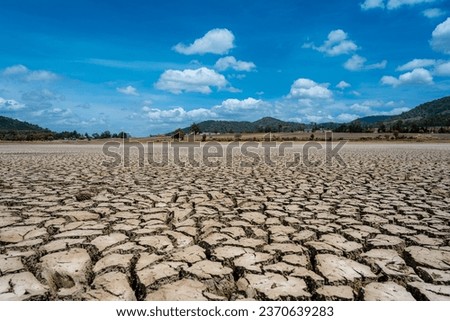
72	228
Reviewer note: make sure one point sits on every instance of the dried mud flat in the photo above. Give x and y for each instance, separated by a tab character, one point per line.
73	229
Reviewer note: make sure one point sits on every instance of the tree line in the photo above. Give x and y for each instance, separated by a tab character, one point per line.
398	126
29	135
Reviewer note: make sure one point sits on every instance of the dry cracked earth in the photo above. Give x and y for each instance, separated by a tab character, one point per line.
74	229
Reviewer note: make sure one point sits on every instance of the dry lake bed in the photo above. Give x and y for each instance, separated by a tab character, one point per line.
74	226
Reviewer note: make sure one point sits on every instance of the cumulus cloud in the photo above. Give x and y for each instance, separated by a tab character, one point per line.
336	44
10	104
233	105
177	114
343	84
231	62
304	88
394	4
417	63
371	107
366	107
433	13
436	67
395	111
391	4
15	70
372	4
191	80
358	63
440	38
215	41
128	90
40	75
39	96
442	69
416	76
345	117
29	75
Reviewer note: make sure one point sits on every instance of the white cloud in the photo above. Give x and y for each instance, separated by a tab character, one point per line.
309	89
41	95
394	4
395	111
191	80
15	70
41	75
440	38
358	63
433	13
29	75
417	76
231	62
442	69
128	90
417	63
343	84
336	44
372	4
61	112
345	118
235	105
391	4
216	41
10	104
178	114
366	107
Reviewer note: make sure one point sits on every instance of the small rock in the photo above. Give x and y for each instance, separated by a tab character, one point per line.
15	234
424	240
113	286
62	244
191	254
396	229
10	264
159	273
387	242
388	291
335	293
271	286
159	243
182	290
429	292
390	264
421	256
252	261
342	271
21	286
66	270
207	269
104	241
113	260
434	276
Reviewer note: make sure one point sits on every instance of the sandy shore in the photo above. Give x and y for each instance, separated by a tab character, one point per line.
75	226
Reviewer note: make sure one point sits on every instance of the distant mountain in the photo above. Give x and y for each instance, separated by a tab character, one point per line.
372	120
266	124
223	126
11	124
13	129
434	113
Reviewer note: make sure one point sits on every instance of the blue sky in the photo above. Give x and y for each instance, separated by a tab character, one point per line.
148	67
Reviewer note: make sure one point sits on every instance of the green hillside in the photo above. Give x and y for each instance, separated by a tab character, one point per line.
266	124
434	113
10	124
